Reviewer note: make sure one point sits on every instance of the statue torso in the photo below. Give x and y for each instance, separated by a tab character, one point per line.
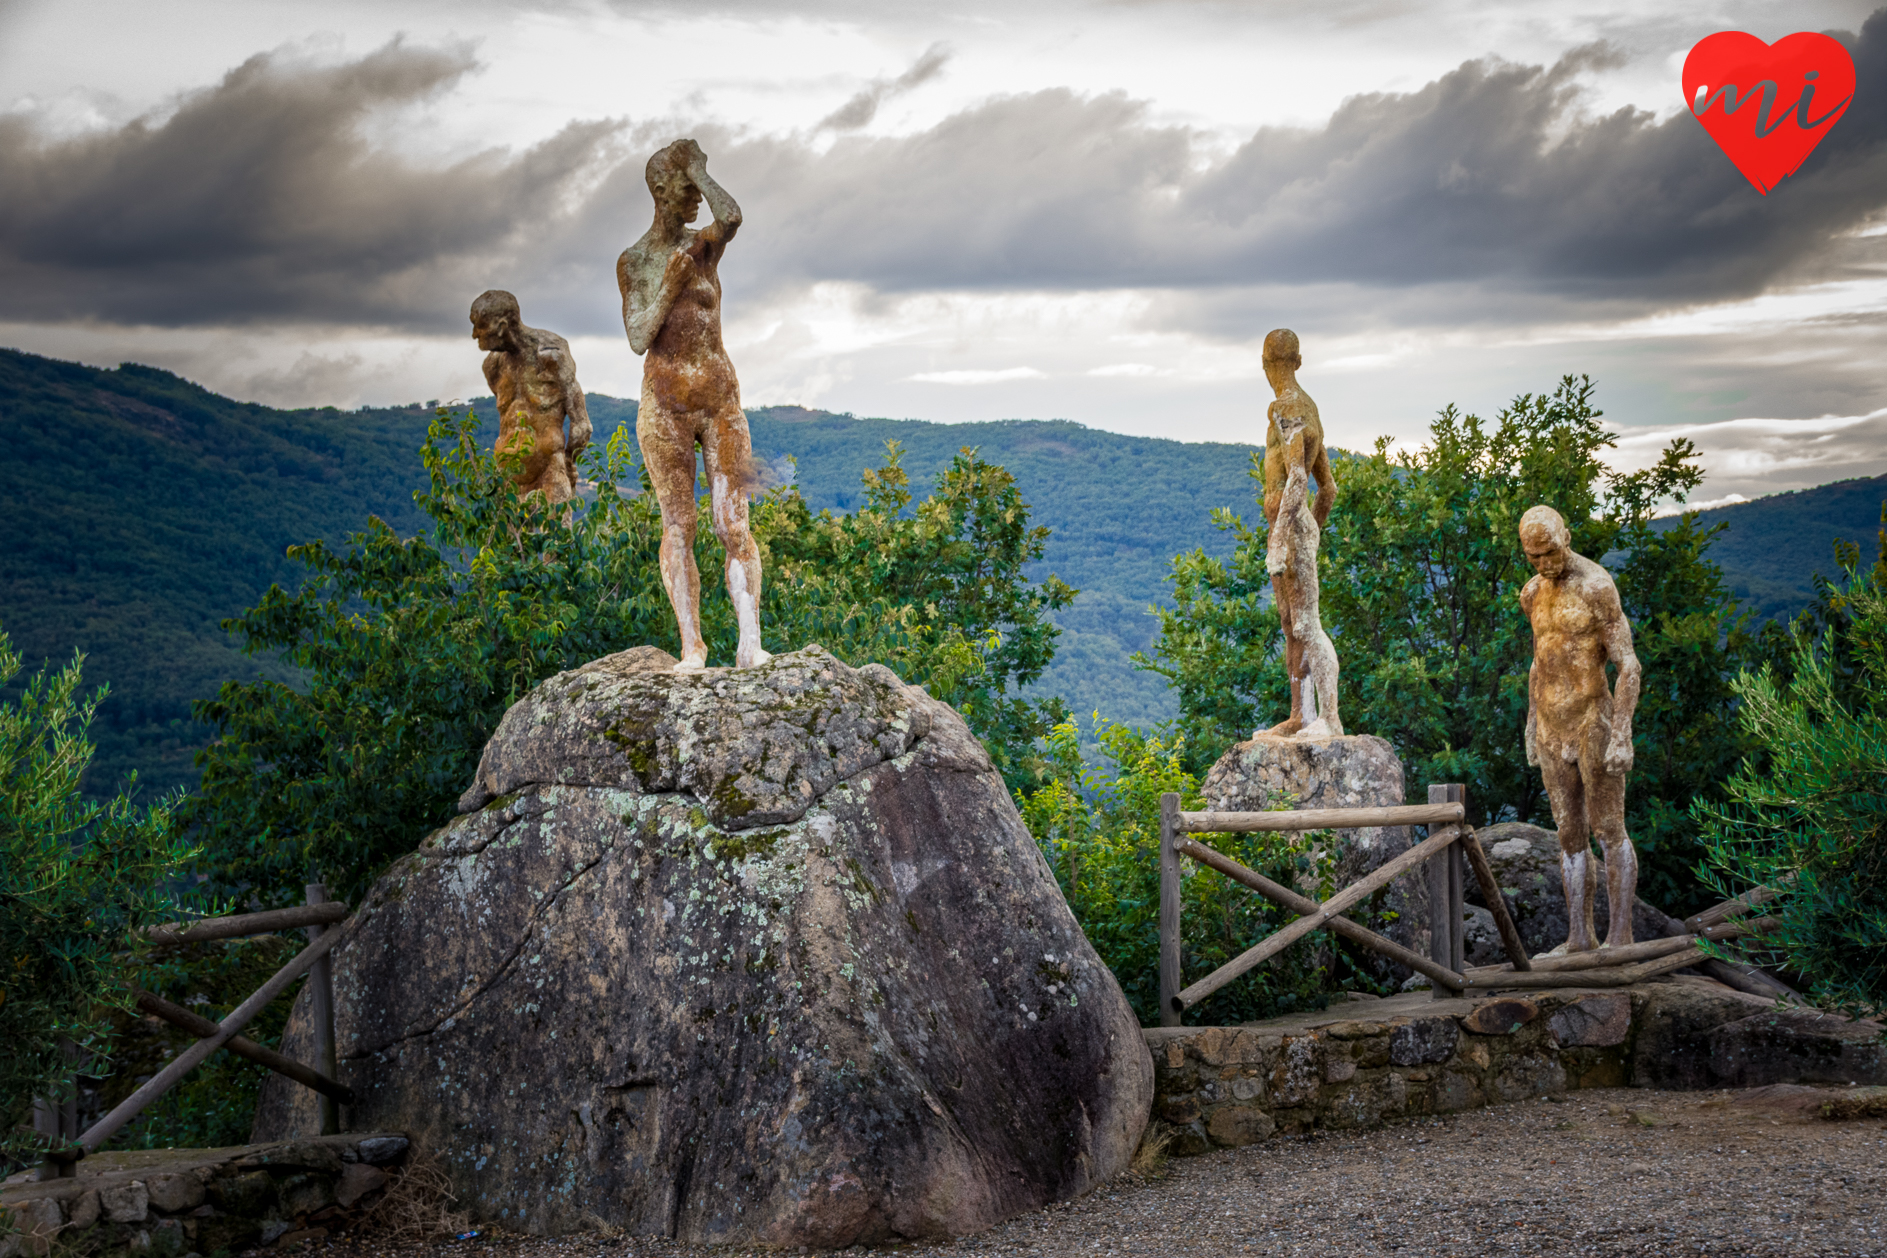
1571	622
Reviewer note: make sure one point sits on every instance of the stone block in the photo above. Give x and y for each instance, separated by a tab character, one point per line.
125	1202
1672	1048
357	1181
1501	1017
381	1150
1236	1125
1180	1110
1592	1022
38	1221
84	1210
246	1194
1458	1090
174	1194
305	1193
1191	1140
1337	1069
1424	1040
1796	1046
1532	1074
227	1232
1297	1075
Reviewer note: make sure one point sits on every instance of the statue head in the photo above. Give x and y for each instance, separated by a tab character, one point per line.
670	183
1282	357
1547	541
496	320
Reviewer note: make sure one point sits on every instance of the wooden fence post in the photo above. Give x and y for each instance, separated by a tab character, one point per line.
1446	902
321	1008
1169	909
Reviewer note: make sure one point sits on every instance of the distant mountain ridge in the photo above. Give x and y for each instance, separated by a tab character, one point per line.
142	509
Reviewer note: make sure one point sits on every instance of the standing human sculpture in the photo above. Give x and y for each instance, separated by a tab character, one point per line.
534	377
1294	456
671	309
1578	728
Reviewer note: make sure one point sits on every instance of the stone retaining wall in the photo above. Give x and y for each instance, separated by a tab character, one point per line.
170	1202
1367	1061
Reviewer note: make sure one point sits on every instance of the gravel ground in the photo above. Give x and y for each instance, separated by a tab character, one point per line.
1604	1172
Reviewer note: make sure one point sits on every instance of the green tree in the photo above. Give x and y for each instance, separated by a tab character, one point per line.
1811	820
1101	835
938	593
411	649
77	877
1421	571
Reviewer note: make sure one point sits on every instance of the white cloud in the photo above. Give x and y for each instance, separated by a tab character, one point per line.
1000	376
1136	370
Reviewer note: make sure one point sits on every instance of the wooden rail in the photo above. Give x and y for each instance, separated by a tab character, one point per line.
203	1029
206	929
1318	819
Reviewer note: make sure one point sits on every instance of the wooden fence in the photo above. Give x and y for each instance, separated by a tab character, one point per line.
320	919
1451	842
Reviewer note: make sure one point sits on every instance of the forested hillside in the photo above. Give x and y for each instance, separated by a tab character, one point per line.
141	510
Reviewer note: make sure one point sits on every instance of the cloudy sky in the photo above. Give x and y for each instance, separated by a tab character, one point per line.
1081	209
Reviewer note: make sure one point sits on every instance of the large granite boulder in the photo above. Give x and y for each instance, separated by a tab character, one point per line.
1352	771
758	956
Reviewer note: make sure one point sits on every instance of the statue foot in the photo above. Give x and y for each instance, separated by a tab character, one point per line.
1283	729
693	662
1318	728
754	658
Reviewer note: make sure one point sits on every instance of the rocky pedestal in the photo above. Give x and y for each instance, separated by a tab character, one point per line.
1354	771
758	956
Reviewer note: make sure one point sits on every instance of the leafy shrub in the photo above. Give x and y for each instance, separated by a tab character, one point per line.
1101	835
1813	820
76	878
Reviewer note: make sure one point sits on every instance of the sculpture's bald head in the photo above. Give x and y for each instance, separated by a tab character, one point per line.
1547	541
1281	347
669	181
495	319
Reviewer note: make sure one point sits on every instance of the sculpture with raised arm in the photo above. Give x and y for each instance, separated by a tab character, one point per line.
1578	728
534	377
671	309
1295	456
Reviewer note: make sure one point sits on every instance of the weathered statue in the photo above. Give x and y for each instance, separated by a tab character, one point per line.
671	308
1294	455
533	376
1578	730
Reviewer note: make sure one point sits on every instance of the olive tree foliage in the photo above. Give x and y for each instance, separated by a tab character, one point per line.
77	877
1810	817
1100	831
1421	570
407	651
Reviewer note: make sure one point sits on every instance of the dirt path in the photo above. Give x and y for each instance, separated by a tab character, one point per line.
1610	1172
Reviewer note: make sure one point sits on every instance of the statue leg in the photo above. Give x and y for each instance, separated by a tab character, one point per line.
1565	787
1605	803
1319	655
1284	595
729	450
668	451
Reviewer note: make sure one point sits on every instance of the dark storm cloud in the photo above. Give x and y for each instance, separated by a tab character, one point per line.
261	198
1488	175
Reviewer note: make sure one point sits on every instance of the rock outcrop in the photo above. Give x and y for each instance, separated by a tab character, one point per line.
1526	863
757	956
1353	771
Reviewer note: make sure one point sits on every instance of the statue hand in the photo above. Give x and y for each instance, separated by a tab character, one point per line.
680	269
1618	752
697	160
1533	751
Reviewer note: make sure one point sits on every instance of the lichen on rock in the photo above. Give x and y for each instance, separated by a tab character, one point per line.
754	956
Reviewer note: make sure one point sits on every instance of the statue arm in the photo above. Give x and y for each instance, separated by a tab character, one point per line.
1618	752
644	313
1326	486
726	212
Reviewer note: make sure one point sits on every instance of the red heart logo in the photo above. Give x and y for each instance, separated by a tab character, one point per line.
1768	105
